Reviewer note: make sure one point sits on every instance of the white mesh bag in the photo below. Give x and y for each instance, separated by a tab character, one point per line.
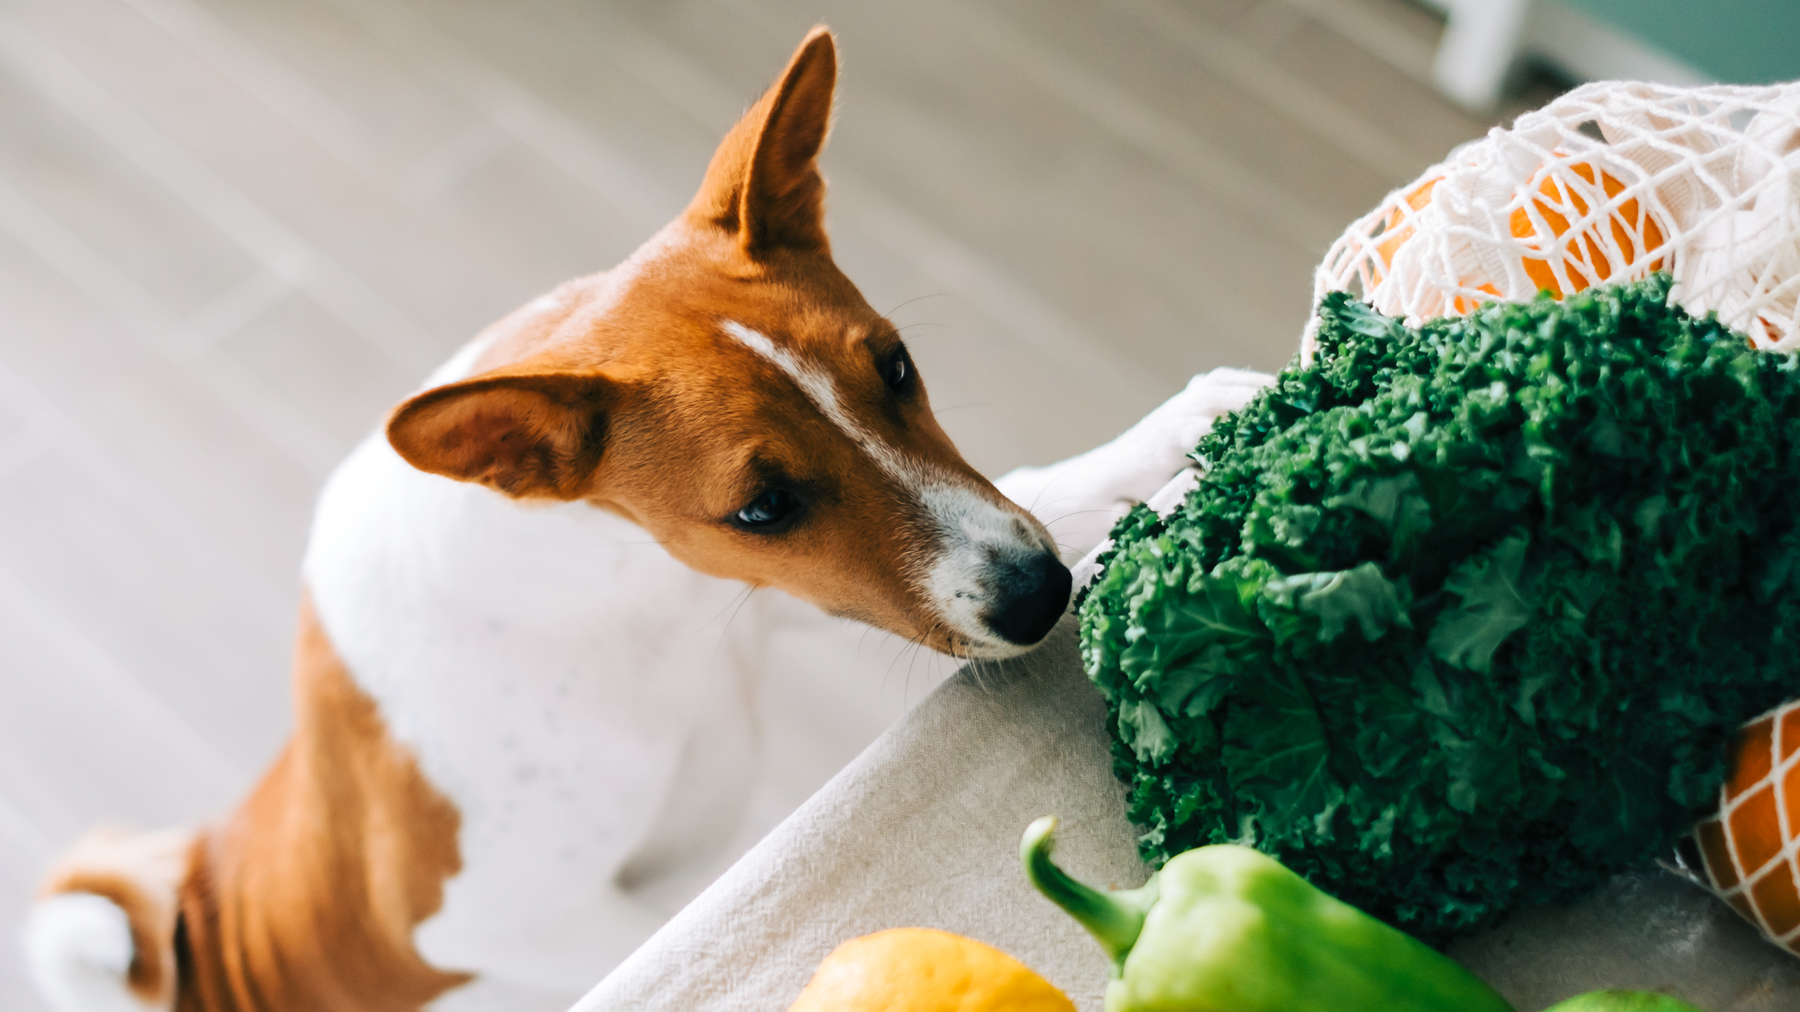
1610	182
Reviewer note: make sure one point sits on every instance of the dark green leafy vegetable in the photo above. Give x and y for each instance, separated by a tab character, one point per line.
1461	618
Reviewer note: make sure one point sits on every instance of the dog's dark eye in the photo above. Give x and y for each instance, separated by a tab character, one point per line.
897	371
768	509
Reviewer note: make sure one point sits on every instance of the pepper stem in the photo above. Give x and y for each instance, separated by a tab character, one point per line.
1115	919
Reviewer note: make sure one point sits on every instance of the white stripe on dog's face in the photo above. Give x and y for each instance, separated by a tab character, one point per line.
974	536
819	389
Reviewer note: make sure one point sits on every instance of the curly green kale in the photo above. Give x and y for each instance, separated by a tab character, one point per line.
1461	619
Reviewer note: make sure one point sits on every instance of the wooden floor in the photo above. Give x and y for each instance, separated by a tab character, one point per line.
233	232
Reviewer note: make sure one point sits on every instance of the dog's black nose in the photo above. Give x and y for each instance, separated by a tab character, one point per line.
1029	595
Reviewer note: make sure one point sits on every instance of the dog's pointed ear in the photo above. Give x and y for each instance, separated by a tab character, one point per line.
537	436
763	185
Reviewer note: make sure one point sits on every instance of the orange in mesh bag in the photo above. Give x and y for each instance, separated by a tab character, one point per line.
1543	224
1747	852
1397	229
1610	182
1583	255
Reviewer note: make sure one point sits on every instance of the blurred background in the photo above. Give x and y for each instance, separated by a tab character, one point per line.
234	232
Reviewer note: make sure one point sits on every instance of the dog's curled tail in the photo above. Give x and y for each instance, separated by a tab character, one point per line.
101	936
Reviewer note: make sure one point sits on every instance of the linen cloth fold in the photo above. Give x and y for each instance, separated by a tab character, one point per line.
923	830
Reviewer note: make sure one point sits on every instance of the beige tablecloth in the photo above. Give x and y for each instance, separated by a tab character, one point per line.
923	829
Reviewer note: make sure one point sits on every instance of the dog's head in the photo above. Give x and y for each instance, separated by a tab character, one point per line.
729	390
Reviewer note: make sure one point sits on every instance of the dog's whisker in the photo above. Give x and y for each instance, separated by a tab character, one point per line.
958	407
732	607
905	650
1060	517
915	645
921	325
917	298
912	657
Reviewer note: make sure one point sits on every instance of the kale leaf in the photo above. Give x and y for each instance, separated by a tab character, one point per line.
1461	617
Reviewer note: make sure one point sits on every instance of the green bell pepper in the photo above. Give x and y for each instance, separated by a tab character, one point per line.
1622	1001
1229	929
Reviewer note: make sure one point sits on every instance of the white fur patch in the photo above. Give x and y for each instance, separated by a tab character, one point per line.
78	947
1170	497
578	695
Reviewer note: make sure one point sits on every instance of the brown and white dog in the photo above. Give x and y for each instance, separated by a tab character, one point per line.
508	721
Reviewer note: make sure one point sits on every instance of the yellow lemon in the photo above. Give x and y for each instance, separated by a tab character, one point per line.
923	970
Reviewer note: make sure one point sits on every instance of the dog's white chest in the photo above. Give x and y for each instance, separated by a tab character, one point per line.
582	698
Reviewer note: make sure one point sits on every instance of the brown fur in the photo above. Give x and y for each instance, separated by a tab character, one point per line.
306	898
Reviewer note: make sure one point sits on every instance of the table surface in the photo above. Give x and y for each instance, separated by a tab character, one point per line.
923	830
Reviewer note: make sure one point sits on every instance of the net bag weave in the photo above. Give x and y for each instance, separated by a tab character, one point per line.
1610	182
1749	852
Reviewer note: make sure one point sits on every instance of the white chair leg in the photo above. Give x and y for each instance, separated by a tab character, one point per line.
1479	44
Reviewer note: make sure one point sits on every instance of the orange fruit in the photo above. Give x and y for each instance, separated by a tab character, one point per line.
1746	855
1583	256
1398	228
924	970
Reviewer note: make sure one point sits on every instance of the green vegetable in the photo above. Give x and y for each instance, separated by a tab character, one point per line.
1461	618
1228	929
